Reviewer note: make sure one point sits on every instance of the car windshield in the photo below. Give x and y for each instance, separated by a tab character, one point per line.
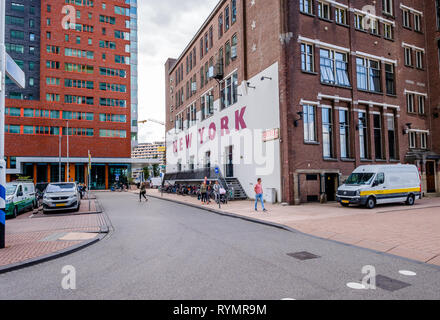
360	179
62	187
10	190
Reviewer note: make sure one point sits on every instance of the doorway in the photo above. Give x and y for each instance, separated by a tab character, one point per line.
430	176
230	162
331	184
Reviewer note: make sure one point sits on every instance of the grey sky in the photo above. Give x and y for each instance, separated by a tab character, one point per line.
165	28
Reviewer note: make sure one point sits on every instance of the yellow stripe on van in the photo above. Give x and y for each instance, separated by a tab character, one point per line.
392	191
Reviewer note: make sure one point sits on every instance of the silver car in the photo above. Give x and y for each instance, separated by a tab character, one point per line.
61	196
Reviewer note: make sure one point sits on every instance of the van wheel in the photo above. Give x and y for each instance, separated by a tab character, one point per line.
371	203
411	200
15	213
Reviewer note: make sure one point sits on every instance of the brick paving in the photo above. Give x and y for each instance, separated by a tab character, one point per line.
410	232
36	235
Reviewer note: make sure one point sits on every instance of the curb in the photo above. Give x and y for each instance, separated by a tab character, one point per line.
48	257
104	231
289	229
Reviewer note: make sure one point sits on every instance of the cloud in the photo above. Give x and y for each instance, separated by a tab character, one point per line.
165	28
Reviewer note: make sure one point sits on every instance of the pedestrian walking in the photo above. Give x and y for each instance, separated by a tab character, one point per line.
259	195
203	192
143	192
217	192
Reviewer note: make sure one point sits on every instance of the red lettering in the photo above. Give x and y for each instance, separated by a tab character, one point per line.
175	146
224	125
201	134
188	140
212	131
239	119
181	144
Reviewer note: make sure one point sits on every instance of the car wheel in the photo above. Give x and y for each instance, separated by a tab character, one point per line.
371	203
411	200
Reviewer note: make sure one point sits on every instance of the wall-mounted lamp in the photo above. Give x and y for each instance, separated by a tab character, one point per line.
408	127
249	85
264	77
296	122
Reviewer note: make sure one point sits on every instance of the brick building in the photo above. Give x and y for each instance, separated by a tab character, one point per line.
322	87
150	151
81	83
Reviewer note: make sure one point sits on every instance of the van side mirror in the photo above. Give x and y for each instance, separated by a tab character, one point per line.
19	194
375	183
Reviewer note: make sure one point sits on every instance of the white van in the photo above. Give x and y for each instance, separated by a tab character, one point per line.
20	196
379	184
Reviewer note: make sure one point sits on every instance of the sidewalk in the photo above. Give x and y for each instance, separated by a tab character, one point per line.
409	232
34	236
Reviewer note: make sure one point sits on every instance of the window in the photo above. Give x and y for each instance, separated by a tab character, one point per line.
16	34
388	31
233	11
408	57
334	69
387	6
417	23
410	103
423	140
378	136
324	10
392	147
344	137
412	139
363	135
341	15
421	100
309	123
327	132
406	18
207	105
227	18
306	6
220	26
307	57
368	75
359	21
390	79
228	91
419	59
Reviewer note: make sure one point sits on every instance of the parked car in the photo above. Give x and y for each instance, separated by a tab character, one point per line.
20	197
61	197
379	184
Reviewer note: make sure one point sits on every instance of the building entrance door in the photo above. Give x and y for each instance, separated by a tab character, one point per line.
430	176
229	162
331	184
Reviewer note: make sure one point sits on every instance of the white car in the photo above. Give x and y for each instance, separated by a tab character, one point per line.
379	184
61	197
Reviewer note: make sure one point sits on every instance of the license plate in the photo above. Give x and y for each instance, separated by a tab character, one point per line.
60	205
345	201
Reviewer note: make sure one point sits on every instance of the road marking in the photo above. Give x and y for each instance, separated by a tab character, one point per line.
407	273
355	285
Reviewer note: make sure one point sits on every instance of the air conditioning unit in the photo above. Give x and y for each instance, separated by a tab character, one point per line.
234	52
211	72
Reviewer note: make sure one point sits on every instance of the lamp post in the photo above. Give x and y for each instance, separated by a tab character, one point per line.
68	165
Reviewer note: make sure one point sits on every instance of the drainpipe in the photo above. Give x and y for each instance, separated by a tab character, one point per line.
286	183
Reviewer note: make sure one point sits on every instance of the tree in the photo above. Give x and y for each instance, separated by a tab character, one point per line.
156	170
146	173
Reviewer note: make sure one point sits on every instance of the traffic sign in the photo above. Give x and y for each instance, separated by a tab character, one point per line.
217	170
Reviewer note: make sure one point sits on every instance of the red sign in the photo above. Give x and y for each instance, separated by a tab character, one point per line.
270	135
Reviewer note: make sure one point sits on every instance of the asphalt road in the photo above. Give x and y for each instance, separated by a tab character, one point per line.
162	250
